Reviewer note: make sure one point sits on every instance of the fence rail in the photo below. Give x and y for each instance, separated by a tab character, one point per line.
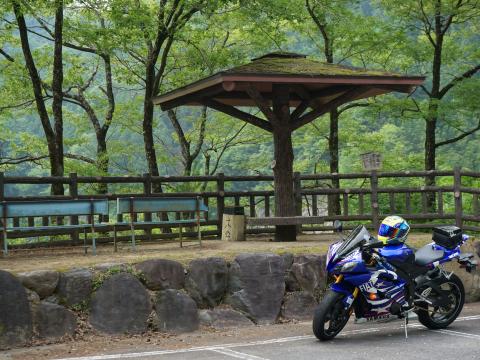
363	197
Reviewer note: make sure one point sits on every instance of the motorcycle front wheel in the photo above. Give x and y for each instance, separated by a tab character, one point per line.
330	316
439	317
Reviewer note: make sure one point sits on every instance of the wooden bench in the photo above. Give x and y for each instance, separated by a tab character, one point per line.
286	220
134	205
59	208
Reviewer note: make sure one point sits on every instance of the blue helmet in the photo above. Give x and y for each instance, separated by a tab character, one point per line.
393	230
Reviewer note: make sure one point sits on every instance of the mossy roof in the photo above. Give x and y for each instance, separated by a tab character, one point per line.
301	66
284	68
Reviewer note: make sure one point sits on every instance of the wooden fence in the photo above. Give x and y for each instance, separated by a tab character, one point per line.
364	197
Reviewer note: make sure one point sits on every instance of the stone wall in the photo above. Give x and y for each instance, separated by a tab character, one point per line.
163	295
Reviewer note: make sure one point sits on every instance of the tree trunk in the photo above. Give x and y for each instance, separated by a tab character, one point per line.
283	167
102	160
334	199
432	116
150	154
54	141
57	82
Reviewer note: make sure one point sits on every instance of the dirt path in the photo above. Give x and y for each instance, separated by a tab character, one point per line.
66	258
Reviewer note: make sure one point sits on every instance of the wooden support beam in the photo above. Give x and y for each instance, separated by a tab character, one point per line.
349	95
239	114
261	103
313	99
192	98
299	110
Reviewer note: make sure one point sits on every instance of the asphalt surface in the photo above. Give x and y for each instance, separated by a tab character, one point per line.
461	340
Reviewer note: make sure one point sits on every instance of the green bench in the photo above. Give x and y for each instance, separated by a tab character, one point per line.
59	208
181	206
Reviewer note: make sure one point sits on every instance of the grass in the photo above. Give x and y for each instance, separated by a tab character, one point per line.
62	259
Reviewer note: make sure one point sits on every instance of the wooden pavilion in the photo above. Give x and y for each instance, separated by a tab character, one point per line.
290	91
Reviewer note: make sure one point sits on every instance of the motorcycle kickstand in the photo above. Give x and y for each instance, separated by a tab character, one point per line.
405	323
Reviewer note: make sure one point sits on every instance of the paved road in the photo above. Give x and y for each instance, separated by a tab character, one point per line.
373	341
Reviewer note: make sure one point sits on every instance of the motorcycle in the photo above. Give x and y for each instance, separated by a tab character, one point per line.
381	282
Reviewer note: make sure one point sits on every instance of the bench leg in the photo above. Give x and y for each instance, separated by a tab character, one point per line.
85	241
5	242
199	234
181	236
132	229
115	249
94	242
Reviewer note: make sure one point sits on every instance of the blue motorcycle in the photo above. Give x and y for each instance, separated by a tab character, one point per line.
381	282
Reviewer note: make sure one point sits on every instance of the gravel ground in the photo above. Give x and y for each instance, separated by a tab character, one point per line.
281	341
66	258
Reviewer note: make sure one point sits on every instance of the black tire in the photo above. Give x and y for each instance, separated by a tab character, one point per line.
330	312
429	319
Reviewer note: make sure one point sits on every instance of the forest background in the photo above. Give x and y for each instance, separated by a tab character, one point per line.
77	79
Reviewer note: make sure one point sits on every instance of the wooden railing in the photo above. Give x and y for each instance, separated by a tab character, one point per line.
364	197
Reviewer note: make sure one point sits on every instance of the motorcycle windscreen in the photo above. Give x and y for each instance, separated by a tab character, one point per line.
359	234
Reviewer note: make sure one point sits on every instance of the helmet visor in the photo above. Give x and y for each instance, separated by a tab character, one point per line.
388	231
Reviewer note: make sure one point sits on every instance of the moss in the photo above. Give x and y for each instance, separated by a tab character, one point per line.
81	306
100	278
302	66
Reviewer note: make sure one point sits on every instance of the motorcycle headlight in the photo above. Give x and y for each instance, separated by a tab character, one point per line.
348	267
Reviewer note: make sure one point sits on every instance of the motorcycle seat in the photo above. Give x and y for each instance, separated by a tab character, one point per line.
427	255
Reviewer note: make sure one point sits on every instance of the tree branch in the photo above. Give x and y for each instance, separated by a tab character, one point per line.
459	137
352	105
456	80
201	134
6	56
36	159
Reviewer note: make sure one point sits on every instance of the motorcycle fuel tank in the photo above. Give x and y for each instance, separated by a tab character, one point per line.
400	252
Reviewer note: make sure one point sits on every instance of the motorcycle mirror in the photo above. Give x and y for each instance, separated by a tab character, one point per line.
338	226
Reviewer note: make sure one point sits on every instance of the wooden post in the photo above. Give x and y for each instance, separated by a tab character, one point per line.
147	190
220	201
2	186
283	163
345	204
267	206
2	197
440	202
252	205
457	193
314	205
73	190
392	203
297	186
297	190
476	205
374	200
361	204
408	207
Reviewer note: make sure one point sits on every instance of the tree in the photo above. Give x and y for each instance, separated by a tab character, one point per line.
189	155
439	36
87	36
54	135
333	20
149	32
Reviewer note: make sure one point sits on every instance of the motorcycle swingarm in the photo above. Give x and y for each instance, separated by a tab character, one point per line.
434	284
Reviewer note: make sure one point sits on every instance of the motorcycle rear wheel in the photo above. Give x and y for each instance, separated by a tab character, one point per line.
440	317
330	316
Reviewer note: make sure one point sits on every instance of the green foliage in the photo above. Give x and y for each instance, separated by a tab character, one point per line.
376	34
101	277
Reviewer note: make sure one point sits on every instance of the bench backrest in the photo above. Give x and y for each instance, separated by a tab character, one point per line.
53	208
139	205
